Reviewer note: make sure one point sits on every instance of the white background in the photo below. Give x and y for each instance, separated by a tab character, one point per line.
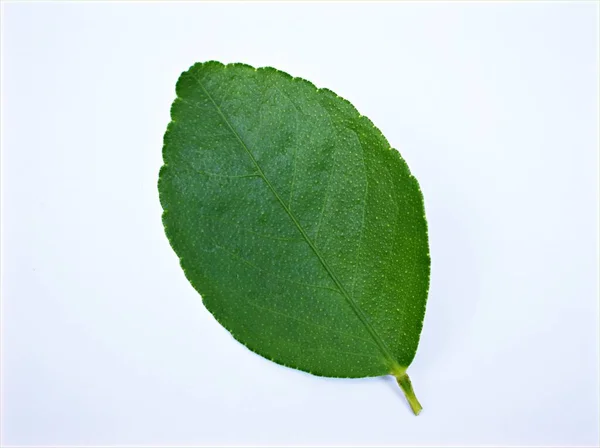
495	108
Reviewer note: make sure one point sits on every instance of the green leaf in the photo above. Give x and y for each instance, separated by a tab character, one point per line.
301	228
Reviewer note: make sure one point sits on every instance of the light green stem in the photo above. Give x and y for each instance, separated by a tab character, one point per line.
406	386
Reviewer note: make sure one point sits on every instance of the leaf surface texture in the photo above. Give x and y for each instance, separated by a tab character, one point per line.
301	228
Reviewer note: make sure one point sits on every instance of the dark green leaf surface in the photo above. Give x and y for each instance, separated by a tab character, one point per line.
301	228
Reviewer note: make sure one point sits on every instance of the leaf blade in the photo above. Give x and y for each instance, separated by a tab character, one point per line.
344	128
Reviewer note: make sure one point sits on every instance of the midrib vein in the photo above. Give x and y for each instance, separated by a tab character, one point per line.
357	310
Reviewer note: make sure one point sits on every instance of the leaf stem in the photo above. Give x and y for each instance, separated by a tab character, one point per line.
409	393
